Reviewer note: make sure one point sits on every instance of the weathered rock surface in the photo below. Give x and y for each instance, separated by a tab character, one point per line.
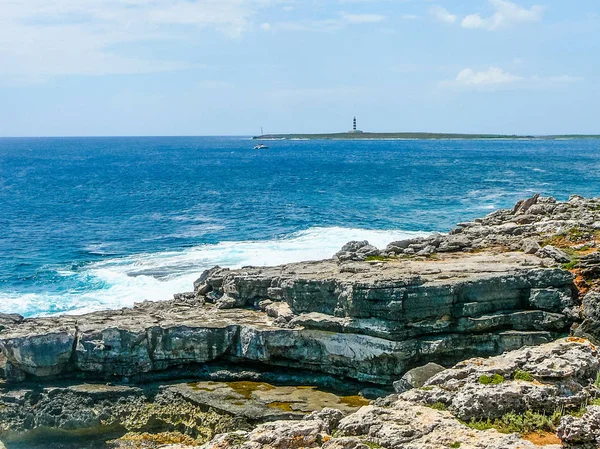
525	227
371	323
198	409
489	286
584	432
562	370
558	375
417	377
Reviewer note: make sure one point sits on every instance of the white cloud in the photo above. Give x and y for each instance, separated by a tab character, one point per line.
495	77
442	14
58	37
506	14
265	26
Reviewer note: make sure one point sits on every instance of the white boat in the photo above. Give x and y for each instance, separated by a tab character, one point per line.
261	146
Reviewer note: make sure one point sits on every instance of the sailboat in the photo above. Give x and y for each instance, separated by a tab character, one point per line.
261	146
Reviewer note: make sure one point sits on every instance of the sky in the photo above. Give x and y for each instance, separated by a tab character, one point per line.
230	67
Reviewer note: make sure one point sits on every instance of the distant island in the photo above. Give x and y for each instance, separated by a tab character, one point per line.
408	135
356	134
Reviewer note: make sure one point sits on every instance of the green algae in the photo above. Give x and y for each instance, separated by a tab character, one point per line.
354	401
246	388
285	406
173	414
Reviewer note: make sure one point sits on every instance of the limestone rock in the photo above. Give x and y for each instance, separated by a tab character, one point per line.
558	375
590	327
530	246
584	432
370	324
554	253
417	377
356	250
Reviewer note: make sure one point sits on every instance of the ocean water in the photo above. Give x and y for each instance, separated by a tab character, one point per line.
96	223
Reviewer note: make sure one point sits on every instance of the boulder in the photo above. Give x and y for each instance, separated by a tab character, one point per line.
530	246
356	250
523	206
417	377
590	327
554	253
555	376
583	432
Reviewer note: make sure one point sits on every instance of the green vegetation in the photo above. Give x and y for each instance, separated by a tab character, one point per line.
523	424
597	383
377	258
455	445
171	414
570	265
523	375
493	380
372	445
438	406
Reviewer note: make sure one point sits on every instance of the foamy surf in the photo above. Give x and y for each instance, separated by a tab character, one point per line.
121	282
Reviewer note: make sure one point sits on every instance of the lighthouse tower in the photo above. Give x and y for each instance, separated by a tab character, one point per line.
354	130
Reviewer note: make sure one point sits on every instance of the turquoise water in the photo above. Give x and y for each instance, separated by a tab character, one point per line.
93	223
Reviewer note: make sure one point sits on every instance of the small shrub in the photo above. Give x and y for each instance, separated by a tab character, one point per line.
479	425
455	445
523	375
493	380
597	383
570	265
439	406
528	422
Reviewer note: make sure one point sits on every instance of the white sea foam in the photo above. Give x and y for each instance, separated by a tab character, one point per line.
121	282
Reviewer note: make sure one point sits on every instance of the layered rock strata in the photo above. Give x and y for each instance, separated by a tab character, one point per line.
369	321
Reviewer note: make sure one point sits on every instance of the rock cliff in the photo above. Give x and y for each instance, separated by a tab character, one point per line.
369	321
517	278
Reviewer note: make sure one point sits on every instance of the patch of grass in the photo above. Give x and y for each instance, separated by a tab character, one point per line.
372	445
491	380
439	406
377	258
482	424
520	423
523	375
570	265
597	383
428	388
455	445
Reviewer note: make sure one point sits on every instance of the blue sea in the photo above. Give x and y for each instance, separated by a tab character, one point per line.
96	223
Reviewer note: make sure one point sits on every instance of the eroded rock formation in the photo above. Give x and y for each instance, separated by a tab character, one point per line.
369	321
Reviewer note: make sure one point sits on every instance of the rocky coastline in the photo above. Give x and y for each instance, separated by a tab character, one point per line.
486	333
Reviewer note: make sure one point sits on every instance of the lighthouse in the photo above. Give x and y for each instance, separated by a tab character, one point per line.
354	129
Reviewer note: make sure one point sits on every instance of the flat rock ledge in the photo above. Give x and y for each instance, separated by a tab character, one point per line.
368	321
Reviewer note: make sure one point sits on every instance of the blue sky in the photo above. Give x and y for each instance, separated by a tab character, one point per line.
228	67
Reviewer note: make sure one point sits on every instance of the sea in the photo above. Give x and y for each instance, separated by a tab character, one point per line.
95	223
